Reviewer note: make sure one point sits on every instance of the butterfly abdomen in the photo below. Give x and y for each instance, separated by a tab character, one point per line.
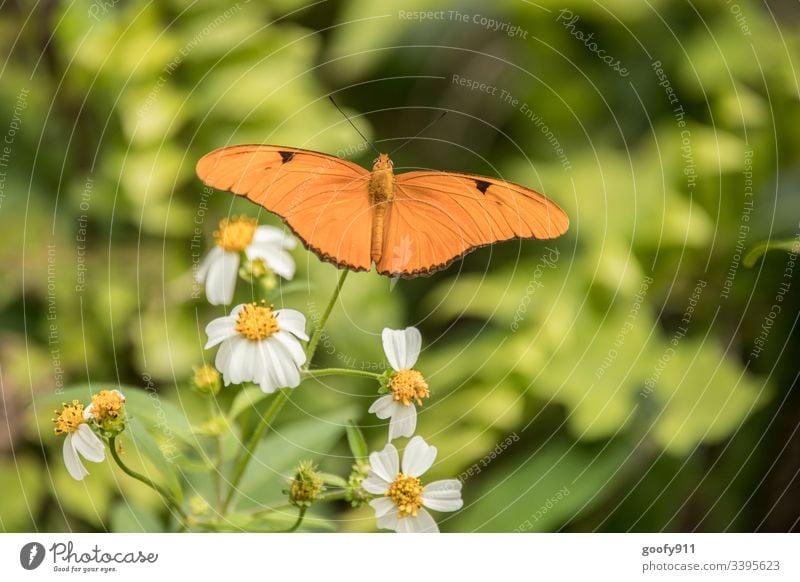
381	192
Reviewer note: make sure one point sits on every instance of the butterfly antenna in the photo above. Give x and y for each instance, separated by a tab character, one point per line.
353	124
423	130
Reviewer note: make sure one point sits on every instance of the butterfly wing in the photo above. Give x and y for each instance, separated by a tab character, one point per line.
437	217
323	199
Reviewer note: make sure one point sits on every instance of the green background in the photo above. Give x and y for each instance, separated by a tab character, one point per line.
108	107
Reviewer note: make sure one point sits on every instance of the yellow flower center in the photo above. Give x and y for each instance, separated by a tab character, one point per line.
235	234
406	493
107	404
70	418
256	322
408	385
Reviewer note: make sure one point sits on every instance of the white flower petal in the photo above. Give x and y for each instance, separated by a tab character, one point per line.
375	484
277	236
292	345
221	278
88	412
444	495
385	406
89	444
404	422
388	520
74	466
402	347
284	369
386	463
418	457
274	256
202	269
220	329
382	506
292	321
423	523
223	358
264	374
238	360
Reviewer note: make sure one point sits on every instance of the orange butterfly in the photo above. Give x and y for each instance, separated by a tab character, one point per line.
409	224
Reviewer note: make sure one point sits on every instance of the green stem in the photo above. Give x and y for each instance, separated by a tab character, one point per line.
218	457
318	373
300	515
246	453
112	444
312	343
333	496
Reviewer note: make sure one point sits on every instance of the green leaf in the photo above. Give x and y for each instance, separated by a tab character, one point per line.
357	442
144	444
246	399
131	518
790	245
277	455
333	480
553	486
23	490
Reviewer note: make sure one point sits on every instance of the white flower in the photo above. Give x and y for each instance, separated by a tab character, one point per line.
259	344
407	386
79	439
235	236
401	507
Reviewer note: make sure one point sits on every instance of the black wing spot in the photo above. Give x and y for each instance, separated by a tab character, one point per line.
482	186
286	156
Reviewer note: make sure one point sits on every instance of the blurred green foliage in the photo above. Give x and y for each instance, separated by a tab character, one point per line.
100	211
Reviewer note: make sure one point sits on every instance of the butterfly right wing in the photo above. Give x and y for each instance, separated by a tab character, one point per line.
322	198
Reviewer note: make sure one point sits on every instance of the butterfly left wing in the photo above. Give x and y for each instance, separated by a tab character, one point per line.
322	198
437	217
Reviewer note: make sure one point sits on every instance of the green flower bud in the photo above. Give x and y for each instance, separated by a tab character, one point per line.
207	380
356	495
306	485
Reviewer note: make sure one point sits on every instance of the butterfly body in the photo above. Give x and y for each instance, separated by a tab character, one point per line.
409	224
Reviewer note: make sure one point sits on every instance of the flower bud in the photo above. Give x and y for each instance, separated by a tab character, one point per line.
207	380
355	494
257	271
306	485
